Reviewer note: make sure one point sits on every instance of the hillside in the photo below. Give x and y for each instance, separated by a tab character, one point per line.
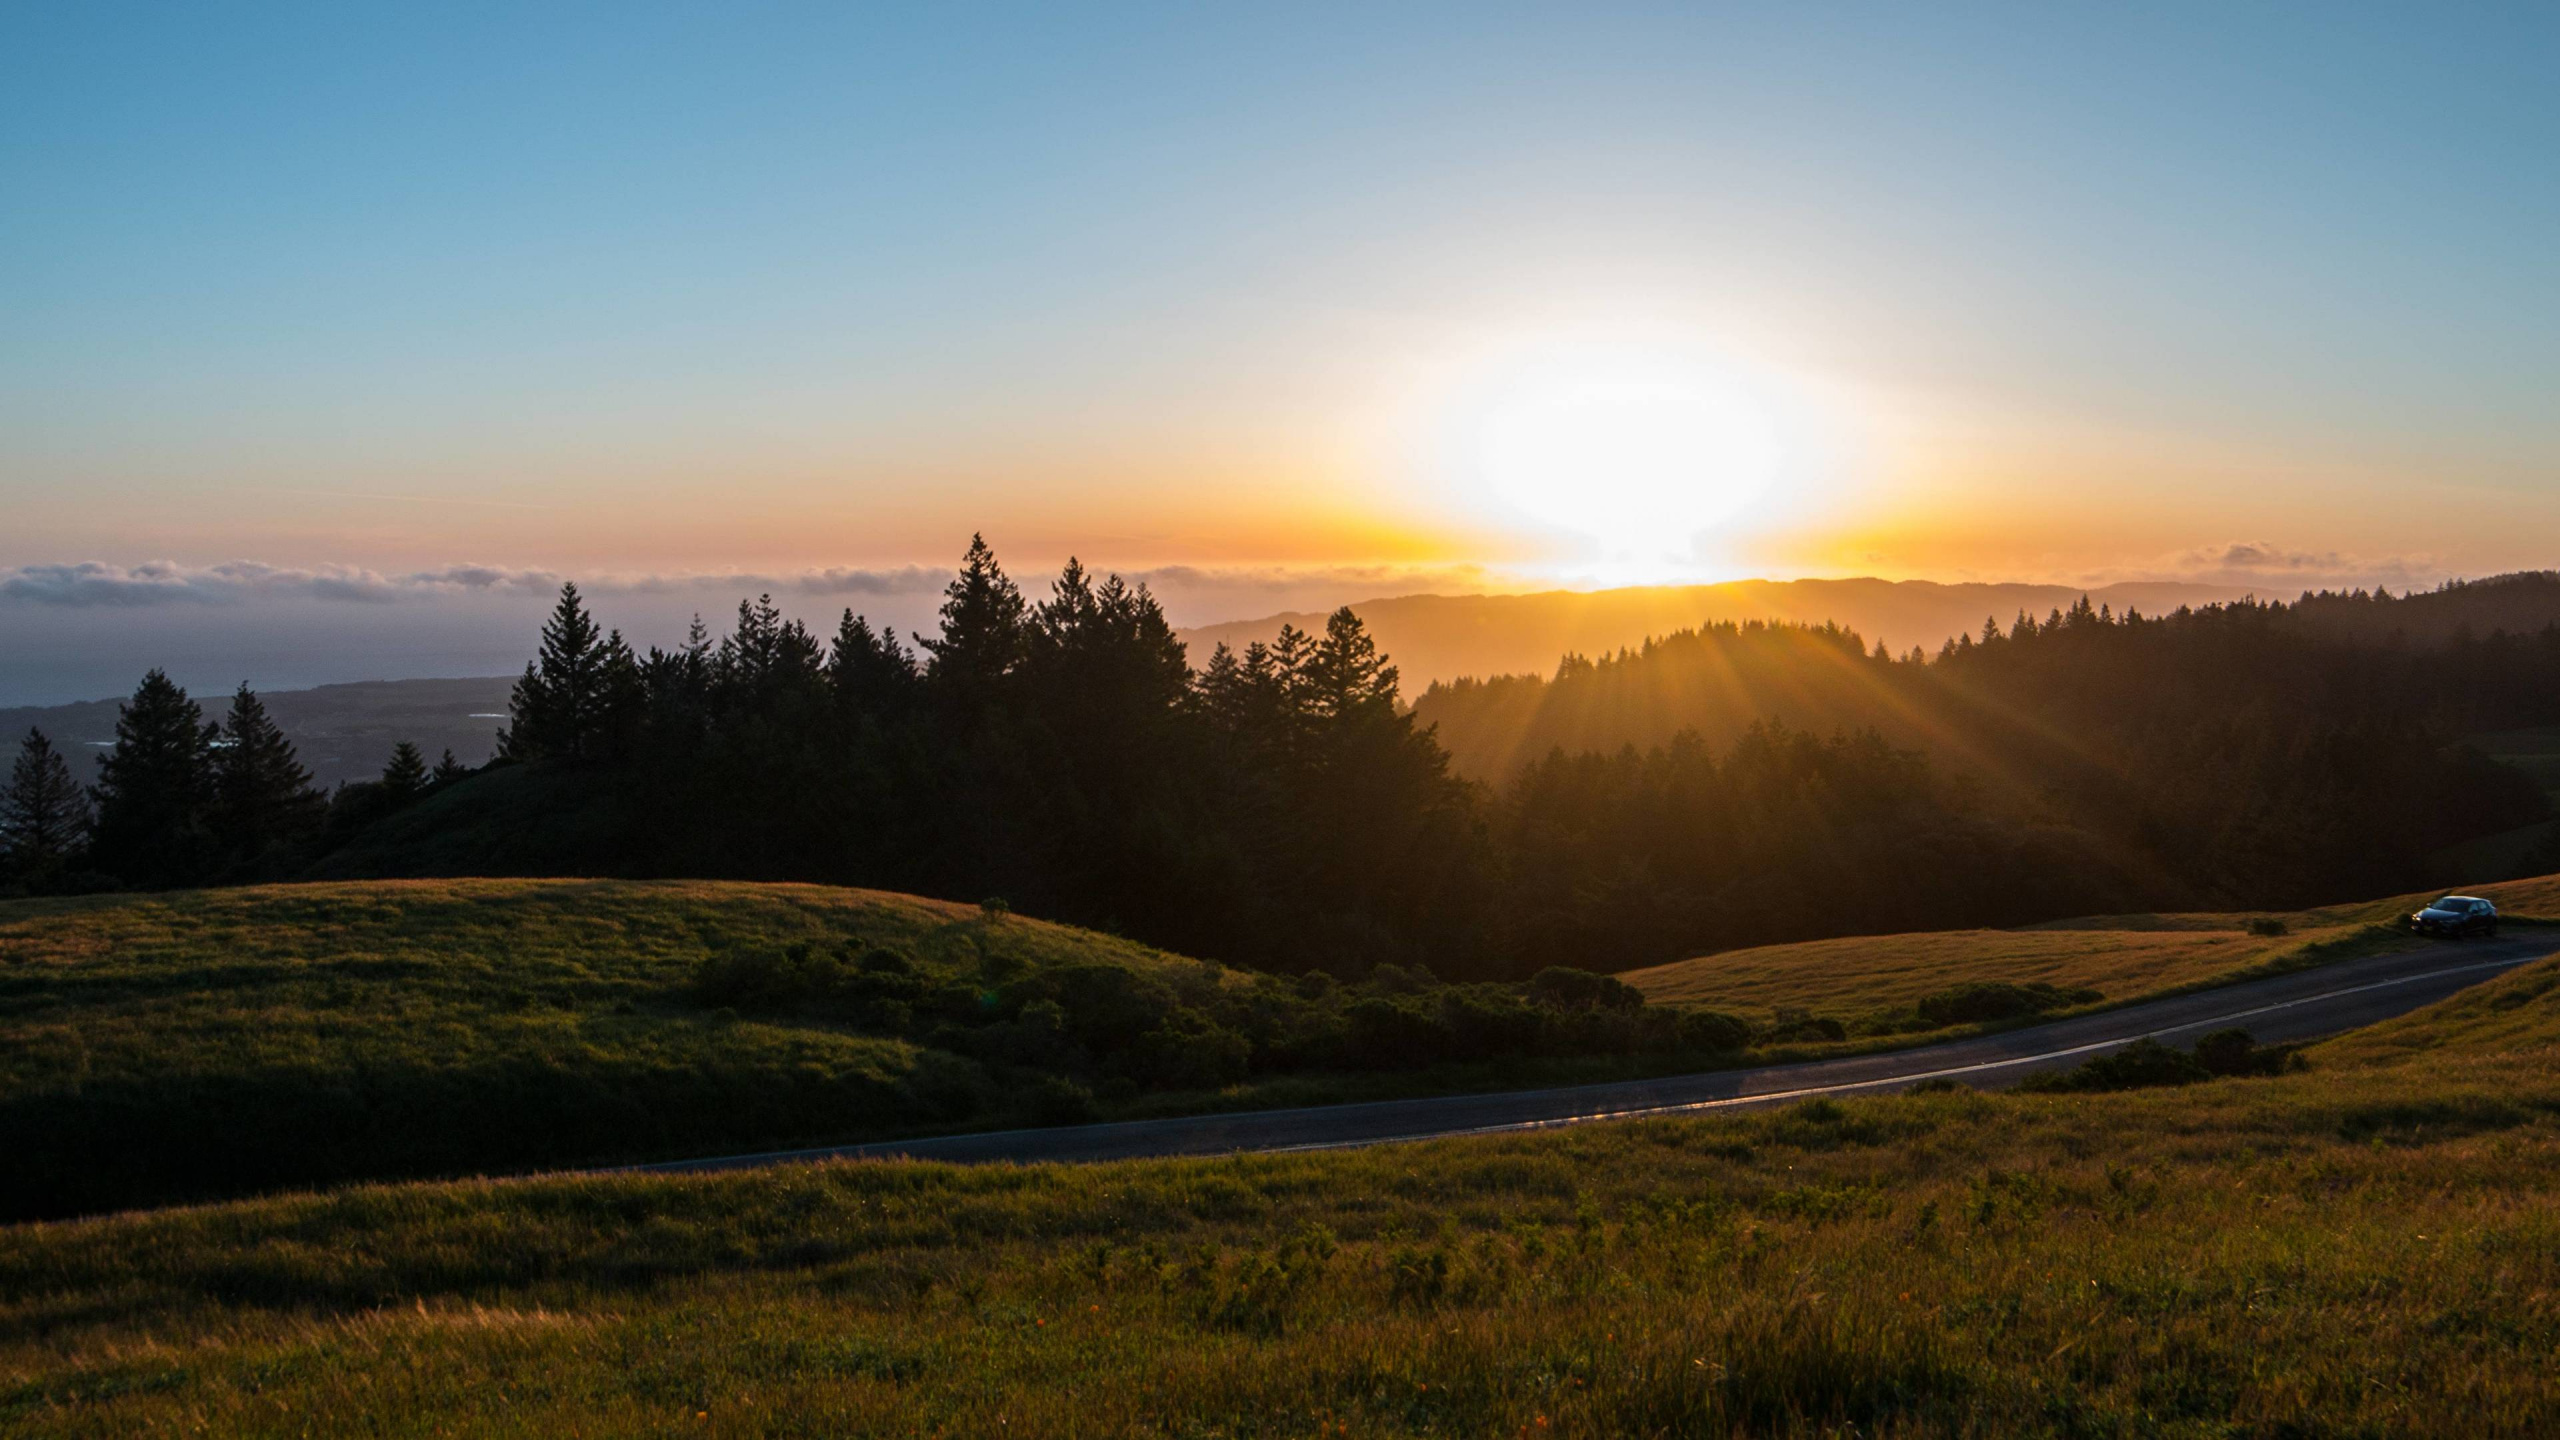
2365	1247
1436	638
342	732
203	1044
207	1043
2123	957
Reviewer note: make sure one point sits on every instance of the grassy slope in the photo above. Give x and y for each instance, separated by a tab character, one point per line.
482	1024
198	1045
2121	956
2371	1247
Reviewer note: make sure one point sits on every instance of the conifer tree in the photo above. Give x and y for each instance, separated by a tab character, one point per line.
984	619
1347	679
155	791
574	700
44	816
1222	688
869	670
263	797
768	656
448	770
405	778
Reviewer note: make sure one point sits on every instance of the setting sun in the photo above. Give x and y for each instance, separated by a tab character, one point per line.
1641	462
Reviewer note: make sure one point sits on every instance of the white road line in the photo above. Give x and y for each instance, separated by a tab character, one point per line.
892	1149
1726	1102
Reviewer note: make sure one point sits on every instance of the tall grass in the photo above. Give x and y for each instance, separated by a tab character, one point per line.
2371	1247
190	1046
2123	956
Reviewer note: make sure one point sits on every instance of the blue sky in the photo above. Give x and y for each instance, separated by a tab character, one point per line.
656	289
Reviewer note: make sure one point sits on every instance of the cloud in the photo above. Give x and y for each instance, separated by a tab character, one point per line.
96	585
1273	579
92	584
2278	570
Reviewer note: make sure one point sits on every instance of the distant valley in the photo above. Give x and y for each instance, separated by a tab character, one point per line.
343	732
1443	637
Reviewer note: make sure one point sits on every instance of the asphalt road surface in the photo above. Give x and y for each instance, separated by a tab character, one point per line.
2300	1006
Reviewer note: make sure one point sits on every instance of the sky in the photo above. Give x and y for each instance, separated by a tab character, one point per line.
332	336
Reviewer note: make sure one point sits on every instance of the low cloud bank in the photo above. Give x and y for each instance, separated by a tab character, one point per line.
1196	593
160	582
2281	573
96	585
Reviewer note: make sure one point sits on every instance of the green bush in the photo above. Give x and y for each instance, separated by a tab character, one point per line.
1796	1027
2227	1052
1568	989
2142	1064
1713	1031
1982	1002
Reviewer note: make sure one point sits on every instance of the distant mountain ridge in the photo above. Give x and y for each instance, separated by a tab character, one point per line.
346	731
1444	637
342	732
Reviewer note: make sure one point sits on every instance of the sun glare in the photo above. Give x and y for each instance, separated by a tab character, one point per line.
1638	463
1637	454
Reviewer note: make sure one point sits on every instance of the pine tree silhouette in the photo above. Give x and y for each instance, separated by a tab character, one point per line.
44	816
155	791
1347	679
984	620
405	778
575	698
869	670
448	770
262	795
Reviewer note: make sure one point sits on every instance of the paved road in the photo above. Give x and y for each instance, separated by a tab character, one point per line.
2301	1006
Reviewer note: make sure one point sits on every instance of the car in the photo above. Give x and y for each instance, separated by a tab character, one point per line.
2456	915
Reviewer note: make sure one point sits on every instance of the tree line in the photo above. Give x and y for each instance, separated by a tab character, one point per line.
181	800
1278	806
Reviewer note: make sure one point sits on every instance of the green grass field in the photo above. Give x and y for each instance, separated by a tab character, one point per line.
2368	1247
199	1045
2123	957
209	1042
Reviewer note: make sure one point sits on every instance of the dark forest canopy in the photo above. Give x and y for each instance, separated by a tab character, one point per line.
1276	806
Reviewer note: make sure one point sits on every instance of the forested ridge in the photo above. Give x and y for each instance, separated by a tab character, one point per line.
1276	806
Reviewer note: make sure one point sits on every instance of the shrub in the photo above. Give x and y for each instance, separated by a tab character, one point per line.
2145	1062
1799	1027
1983	1001
1057	1100
2227	1052
1569	989
2269	927
1107	1008
1388	1034
767	980
1486	1022
1188	1052
1713	1030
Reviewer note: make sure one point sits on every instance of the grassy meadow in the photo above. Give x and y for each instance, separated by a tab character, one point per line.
197	1045
206	1042
194	1045
2123	957
2368	1247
